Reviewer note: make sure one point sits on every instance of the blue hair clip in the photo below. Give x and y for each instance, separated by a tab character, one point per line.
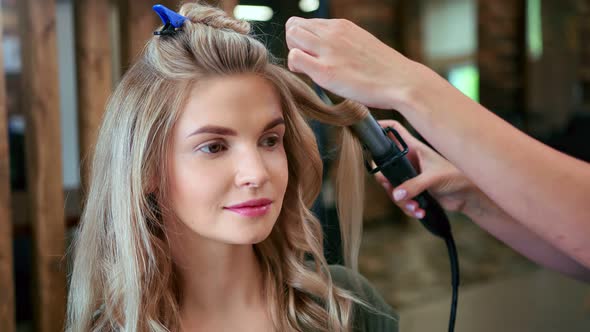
171	19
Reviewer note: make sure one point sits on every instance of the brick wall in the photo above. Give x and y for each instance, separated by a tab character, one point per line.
583	54
395	22
552	79
500	56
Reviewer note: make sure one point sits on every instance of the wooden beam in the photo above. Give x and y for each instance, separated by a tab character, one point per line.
583	50
94	74
7	314
550	103
137	22
408	25
44	161
501	57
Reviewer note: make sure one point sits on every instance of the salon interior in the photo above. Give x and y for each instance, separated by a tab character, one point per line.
526	60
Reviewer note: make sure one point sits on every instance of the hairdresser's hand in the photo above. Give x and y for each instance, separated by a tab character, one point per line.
444	181
350	62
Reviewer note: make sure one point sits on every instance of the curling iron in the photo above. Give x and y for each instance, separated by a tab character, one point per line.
392	162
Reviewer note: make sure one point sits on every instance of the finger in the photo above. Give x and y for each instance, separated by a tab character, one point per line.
388	123
381	178
414	144
410	208
407	212
419	214
413	187
388	189
310	24
302	39
384	183
405	134
301	62
387	186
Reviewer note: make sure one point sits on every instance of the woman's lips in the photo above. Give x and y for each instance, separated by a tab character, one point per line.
251	211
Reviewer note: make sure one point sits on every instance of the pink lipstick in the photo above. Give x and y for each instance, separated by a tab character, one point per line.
252	208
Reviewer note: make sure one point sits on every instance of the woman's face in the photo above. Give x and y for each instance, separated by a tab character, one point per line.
228	173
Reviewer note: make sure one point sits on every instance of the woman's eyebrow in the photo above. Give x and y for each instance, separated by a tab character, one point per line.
274	123
230	132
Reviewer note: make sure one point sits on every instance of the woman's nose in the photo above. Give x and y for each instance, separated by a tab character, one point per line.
252	171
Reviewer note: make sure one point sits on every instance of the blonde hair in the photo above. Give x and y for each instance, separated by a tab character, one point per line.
122	266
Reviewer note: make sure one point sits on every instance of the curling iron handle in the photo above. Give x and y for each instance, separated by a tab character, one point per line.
435	220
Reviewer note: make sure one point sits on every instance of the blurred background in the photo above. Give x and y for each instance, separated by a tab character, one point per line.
526	60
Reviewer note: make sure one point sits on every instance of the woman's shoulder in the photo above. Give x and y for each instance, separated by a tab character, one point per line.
381	316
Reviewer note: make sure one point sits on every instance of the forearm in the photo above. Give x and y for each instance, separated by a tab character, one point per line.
542	188
485	213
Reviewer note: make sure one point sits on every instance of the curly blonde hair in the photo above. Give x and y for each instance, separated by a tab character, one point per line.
122	266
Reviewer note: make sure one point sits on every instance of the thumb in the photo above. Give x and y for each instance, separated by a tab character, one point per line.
301	62
413	187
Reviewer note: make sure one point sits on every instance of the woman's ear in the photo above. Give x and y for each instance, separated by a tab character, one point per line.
151	186
151	182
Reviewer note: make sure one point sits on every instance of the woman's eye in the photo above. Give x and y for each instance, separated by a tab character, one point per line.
212	148
271	141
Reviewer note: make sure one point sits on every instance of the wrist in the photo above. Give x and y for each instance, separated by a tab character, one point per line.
476	203
425	99
412	96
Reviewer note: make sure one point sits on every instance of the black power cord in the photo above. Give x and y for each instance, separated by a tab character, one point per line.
454	260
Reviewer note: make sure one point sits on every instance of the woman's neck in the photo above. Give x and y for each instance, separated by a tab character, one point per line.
214	277
219	278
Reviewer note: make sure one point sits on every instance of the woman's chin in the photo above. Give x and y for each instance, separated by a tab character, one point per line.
254	237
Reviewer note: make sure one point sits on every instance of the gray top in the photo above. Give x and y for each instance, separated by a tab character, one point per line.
382	318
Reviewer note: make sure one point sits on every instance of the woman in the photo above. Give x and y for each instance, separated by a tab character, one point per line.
197	216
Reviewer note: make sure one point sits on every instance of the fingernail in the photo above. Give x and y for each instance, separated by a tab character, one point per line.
420	214
399	194
410	207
